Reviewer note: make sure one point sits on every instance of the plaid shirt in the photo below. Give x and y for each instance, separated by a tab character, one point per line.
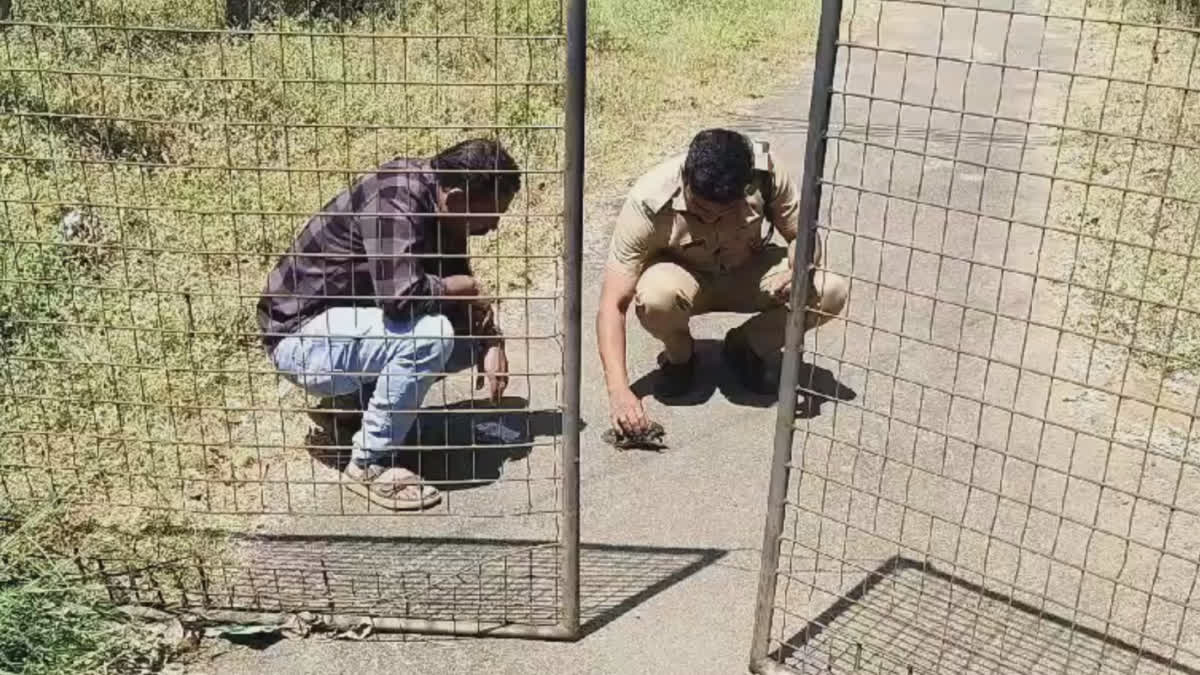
375	244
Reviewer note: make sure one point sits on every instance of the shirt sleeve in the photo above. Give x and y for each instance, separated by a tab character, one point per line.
633	239
390	237
783	209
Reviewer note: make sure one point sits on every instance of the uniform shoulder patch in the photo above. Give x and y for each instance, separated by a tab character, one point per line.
762	156
764	168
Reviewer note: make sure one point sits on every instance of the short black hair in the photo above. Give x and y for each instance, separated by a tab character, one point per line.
478	165
719	165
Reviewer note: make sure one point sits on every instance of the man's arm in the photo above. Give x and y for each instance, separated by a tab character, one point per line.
783	207
389	238
616	294
403	289
784	211
633	244
489	352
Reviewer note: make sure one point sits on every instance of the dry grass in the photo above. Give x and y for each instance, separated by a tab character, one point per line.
1140	216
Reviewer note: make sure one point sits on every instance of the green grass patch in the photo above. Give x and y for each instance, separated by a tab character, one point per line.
54	618
55	626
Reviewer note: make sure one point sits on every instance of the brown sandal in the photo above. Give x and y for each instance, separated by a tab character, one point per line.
394	488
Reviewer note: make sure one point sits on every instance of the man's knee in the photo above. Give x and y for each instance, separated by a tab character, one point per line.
433	337
665	295
831	293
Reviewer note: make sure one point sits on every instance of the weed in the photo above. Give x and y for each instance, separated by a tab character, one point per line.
53	620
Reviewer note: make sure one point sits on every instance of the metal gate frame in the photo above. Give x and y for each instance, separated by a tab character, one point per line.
576	106
821	99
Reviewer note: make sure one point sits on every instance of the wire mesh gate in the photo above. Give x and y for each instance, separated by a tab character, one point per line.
157	160
1012	188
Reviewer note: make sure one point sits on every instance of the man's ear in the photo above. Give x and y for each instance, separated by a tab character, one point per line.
456	200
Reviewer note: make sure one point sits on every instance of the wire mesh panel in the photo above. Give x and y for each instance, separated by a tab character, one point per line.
158	160
1008	482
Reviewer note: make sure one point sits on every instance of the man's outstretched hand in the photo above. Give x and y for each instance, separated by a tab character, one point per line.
627	412
495	372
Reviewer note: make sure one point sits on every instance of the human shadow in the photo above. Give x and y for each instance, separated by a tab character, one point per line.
462	445
816	385
705	383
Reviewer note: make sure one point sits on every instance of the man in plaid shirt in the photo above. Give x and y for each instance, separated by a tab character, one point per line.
373	292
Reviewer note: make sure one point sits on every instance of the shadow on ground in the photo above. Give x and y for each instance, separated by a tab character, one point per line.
874	627
464	444
494	581
818	385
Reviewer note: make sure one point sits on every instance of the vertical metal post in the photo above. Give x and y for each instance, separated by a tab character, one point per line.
810	201
572	319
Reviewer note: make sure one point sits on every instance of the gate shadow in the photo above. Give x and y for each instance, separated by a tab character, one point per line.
500	581
906	615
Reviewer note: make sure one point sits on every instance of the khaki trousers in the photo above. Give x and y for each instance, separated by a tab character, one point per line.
669	295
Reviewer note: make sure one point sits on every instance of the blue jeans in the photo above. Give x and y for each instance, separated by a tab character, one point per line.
346	348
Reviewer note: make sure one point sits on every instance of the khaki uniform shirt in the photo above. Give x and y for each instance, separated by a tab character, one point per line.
655	221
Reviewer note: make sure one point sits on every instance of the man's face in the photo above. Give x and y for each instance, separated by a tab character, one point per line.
707	211
477	215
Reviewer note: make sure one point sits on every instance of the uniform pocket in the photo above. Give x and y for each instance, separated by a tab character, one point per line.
691	250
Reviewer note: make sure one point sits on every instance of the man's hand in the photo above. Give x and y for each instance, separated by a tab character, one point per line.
495	372
627	412
463	285
779	286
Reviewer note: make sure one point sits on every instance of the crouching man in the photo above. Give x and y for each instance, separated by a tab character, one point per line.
373	293
692	238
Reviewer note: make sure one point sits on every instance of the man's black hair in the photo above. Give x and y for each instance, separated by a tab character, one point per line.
479	166
719	165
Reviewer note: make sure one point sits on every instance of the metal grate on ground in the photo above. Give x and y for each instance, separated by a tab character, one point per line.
1006	480
505	587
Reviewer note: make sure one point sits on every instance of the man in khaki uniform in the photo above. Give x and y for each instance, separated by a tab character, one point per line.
692	238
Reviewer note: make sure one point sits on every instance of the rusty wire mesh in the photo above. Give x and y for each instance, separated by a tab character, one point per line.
157	159
1009	481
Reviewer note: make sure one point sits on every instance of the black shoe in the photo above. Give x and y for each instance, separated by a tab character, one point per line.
750	369
675	379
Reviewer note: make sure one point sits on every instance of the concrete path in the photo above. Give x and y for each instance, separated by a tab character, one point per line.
968	437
